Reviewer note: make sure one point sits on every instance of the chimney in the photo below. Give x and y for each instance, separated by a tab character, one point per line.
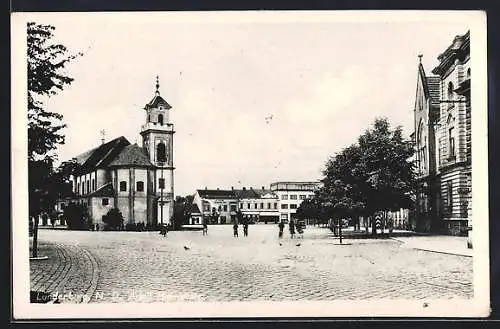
205	187
263	188
244	188
232	188
217	189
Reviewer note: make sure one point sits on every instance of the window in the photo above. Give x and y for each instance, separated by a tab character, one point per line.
160	119
88	186
78	188
451	142
293	197
293	206
275	205
206	207
302	197
248	205
140	186
268	205
255	205
241	205
93	184
233	207
468	73
63	206
123	186
450	91
161	183
284	197
284	206
105	201
225	207
284	216
160	152
149	118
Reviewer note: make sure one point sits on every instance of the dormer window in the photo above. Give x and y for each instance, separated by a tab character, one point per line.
160	119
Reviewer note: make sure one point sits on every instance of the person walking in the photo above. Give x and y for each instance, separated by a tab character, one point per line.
235	229
245	227
205	226
281	226
291	226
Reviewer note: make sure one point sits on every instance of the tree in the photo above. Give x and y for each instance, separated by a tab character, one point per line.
46	77
389	172
371	176
182	213
76	216
113	219
308	209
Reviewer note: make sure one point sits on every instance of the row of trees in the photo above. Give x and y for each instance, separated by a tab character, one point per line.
374	175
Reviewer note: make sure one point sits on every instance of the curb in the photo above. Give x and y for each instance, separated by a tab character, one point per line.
442	252
435	251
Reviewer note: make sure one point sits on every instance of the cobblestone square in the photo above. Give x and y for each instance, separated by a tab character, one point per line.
117	267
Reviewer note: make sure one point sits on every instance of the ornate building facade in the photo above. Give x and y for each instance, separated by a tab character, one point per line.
442	135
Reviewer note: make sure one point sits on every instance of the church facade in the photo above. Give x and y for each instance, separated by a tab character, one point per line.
137	180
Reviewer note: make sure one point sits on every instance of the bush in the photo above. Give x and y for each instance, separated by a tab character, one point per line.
113	219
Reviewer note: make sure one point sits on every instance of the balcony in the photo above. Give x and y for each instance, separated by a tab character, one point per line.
157	126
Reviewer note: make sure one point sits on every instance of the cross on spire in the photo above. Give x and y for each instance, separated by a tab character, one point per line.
103	135
157	92
420	58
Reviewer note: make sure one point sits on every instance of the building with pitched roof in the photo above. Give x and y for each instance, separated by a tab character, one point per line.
426	117
137	180
443	142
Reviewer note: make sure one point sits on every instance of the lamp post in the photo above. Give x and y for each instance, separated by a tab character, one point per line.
162	186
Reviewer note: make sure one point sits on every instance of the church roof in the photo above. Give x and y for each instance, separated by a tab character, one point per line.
156	102
131	155
102	156
106	190
430	85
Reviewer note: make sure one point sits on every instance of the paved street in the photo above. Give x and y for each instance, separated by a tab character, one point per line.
146	267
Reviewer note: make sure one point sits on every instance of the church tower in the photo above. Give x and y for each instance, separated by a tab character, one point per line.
157	140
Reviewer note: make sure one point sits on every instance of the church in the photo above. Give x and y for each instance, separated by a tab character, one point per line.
137	180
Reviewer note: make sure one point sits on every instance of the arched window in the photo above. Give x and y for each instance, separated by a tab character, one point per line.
160	152
160	119
450	91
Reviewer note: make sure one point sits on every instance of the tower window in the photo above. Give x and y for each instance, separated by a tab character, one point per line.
140	186
149	118
160	119
105	201
161	183
123	186
160	152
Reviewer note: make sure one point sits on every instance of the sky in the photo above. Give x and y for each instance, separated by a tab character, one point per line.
323	81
